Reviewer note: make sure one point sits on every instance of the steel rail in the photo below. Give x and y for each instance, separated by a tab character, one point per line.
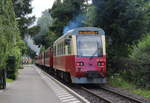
99	96
123	95
96	95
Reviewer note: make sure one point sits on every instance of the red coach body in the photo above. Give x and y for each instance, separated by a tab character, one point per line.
48	59
80	53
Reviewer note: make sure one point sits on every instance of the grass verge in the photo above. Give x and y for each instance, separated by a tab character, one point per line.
117	81
9	80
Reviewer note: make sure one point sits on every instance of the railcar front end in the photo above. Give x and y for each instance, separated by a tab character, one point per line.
90	61
83	55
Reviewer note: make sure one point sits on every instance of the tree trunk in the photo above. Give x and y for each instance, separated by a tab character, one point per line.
3	79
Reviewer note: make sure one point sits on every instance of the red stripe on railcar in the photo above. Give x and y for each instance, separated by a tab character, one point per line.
69	64
49	58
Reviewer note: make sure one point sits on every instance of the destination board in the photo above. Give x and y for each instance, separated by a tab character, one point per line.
88	32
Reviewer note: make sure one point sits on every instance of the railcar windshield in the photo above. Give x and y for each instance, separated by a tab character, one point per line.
89	45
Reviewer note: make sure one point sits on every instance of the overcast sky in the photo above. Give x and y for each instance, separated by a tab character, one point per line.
40	5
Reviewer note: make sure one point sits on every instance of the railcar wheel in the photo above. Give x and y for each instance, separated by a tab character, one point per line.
67	77
61	75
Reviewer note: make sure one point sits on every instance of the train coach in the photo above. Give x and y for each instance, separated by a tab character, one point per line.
79	56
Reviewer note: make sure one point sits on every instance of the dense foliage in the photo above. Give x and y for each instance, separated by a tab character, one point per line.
59	16
44	22
11	44
22	8
140	56
124	21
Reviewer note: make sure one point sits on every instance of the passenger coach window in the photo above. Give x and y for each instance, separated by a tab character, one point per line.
58	49
69	49
55	50
64	49
61	49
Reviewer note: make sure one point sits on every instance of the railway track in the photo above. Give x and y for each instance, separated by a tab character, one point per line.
124	95
99	94
111	96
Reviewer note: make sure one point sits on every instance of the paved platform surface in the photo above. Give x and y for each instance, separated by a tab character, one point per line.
28	88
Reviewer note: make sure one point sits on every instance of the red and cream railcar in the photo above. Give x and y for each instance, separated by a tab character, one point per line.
39	59
81	53
36	60
48	58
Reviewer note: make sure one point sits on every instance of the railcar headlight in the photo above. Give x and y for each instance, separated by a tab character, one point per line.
100	64
103	64
80	64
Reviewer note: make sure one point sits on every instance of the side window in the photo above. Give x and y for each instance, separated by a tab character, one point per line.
47	54
54	51
64	49
60	48
57	49
59	52
63	52
69	48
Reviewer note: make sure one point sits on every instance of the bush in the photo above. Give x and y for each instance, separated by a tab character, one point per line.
140	67
11	67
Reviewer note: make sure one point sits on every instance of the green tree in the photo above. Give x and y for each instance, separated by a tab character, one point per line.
140	56
22	8
64	12
124	22
10	40
53	23
34	30
42	37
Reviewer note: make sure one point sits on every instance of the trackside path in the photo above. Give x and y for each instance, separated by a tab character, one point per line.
28	88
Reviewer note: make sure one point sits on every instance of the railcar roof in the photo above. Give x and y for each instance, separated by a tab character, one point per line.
74	31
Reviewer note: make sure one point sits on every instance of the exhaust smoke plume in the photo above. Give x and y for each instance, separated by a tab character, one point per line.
75	23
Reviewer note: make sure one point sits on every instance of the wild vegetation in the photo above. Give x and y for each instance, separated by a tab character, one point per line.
22	8
11	44
140	55
125	23
60	14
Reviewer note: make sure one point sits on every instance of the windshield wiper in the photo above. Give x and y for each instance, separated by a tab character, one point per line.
95	53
